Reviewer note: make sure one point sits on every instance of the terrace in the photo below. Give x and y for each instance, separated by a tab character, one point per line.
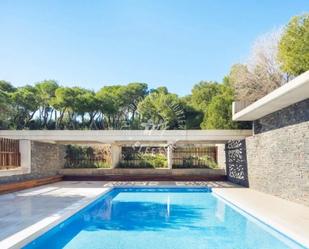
252	171
248	172
154	125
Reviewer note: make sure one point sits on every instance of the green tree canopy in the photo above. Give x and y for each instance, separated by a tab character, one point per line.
65	98
111	102
27	103
118	104
202	94
206	96
6	109
219	111
133	93
46	93
6	87
294	46
50	106
162	110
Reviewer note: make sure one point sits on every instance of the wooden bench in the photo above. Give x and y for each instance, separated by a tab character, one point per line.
12	187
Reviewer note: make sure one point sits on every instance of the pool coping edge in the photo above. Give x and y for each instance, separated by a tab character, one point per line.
32	232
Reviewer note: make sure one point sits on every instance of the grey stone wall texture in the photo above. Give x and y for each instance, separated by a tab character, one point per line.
278	162
278	154
46	160
293	114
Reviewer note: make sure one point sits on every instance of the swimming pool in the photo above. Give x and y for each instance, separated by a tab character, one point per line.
161	218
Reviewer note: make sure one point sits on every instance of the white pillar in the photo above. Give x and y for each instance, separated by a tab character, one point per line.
116	154
221	155
25	155
170	155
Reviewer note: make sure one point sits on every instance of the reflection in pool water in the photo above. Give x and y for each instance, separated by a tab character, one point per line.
161	219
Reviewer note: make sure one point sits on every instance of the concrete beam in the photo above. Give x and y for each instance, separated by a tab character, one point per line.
124	136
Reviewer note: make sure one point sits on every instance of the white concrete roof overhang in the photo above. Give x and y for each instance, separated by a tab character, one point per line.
290	93
127	136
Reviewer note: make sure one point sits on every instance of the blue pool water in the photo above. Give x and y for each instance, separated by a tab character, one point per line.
139	218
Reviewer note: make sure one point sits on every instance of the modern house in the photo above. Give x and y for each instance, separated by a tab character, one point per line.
277	155
263	179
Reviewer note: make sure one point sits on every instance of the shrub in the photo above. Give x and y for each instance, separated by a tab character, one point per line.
197	162
84	157
145	160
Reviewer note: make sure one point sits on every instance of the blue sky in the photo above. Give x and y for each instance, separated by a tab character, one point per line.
175	43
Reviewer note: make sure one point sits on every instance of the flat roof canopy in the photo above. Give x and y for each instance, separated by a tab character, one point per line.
127	136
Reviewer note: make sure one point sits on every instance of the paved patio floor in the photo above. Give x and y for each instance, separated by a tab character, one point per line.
28	213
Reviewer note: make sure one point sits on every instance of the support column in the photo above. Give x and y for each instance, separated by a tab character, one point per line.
221	155
170	146
25	155
116	154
